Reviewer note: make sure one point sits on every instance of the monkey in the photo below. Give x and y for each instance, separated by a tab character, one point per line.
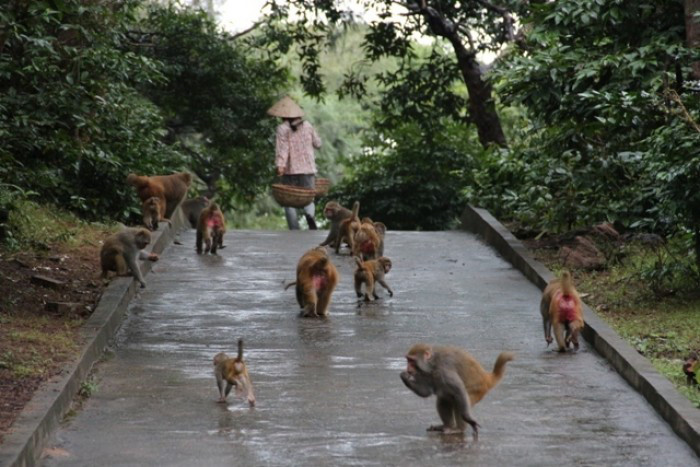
366	241
316	280
689	367
152	213
561	308
169	189
120	251
335	213
456	378
348	227
192	208
235	373
369	272
380	228
210	229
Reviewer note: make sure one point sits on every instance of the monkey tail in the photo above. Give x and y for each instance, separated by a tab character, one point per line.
355	210
240	349
290	284
358	260
500	367
567	284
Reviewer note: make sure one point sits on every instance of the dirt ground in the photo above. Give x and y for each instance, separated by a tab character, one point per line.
36	340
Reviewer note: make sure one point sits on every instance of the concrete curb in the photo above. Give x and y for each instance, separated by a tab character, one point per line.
27	436
683	417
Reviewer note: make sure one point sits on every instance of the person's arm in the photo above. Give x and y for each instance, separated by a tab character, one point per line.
281	149
315	139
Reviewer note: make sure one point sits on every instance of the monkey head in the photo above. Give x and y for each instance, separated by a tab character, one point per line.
152	203
331	209
142	238
385	263
417	359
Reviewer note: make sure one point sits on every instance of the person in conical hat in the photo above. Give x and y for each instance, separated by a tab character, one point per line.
295	160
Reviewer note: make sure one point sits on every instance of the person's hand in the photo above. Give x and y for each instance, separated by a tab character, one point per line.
280	171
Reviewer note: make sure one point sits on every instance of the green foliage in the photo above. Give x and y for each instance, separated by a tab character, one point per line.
214	98
411	179
35	226
71	122
603	137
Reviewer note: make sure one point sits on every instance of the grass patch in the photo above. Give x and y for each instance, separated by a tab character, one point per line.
37	227
32	345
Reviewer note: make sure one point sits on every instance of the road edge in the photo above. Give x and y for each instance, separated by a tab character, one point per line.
638	371
27	436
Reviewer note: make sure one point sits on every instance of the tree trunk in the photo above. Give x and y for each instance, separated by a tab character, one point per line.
482	110
481	106
697	249
692	31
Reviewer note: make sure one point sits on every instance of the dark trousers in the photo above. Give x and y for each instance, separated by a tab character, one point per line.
305	181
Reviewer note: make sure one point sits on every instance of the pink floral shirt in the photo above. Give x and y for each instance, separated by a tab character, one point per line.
295	149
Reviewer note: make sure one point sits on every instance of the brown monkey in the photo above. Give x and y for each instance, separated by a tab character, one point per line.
380	228
169	189
316	279
456	378
235	373
152	213
335	213
210	228
348	227
366	241
369	272
689	368
561	307
192	208
120	251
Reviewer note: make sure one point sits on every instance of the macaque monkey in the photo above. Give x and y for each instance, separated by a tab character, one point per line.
380	228
192	208
561	308
316	280
456	378
690	366
210	229
366	241
152	213
169	189
335	213
348	228
235	373
369	272
120	251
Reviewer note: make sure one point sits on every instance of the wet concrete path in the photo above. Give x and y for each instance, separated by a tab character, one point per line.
328	391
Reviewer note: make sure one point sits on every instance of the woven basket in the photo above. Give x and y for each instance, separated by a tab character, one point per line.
290	196
322	186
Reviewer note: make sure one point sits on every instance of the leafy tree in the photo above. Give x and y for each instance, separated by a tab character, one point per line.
468	27
215	97
611	130
411	178
72	124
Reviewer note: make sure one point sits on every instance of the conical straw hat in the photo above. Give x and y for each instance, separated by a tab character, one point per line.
285	108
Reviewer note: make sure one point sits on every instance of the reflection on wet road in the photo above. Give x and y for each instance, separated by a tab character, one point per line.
328	392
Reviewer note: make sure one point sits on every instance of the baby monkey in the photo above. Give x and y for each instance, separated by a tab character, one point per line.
369	272
235	373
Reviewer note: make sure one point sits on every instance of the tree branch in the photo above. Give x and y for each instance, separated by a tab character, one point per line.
246	31
507	18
